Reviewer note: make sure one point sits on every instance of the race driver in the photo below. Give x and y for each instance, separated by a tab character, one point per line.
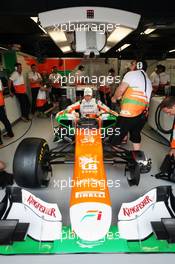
88	106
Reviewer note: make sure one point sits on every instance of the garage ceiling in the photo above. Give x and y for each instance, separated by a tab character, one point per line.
17	27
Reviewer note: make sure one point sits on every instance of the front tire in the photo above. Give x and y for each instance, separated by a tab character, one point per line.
30	166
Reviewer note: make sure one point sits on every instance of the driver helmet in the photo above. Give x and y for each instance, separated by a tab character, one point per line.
88	91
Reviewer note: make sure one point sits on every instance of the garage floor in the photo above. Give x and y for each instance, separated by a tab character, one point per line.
124	193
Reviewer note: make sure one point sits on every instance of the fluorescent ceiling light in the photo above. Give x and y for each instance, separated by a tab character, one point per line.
173	50
2	48
65	49
42	29
58	36
35	19
149	30
105	49
60	39
118	34
123	47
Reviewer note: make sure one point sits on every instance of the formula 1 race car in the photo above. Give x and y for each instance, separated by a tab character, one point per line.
33	159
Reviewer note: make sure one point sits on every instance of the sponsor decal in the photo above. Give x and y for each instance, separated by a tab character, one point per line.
89	194
138	207
92	213
87	139
42	152
33	202
88	164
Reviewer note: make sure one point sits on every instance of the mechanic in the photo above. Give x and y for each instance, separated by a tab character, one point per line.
155	78
55	81
43	106
17	80
3	116
168	106
88	105
35	84
79	80
134	93
105	90
164	81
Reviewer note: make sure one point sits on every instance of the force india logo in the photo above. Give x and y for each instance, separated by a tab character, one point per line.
37	205
137	208
92	214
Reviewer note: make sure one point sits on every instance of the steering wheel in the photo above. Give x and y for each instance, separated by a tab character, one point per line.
91	116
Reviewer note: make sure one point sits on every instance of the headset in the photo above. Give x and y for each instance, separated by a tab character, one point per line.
139	65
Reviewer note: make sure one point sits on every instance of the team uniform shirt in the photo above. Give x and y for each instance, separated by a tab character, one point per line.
164	78
34	76
18	82
135	100
88	107
155	79
1	95
55	79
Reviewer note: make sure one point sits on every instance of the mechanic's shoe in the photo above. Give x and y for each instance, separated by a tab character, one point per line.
8	135
24	119
29	118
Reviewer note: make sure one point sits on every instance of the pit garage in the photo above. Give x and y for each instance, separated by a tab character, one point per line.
87	112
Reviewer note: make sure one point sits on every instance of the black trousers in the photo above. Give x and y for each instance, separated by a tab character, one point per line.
56	94
24	104
105	98
5	121
34	92
133	125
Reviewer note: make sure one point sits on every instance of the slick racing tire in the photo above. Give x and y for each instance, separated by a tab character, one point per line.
30	166
134	174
